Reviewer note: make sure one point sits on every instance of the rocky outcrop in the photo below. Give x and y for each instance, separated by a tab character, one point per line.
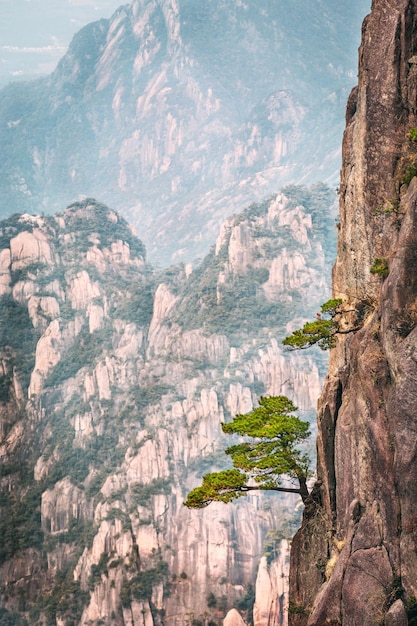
358	535
115	382
29	248
5	276
139	109
233	618
271	605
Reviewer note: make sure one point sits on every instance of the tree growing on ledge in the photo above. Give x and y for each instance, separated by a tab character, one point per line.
321	332
269	453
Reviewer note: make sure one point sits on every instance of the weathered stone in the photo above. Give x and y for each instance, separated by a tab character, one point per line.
30	248
163	304
5	275
95	317
271	603
62	504
397	615
47	356
233	618
366	583
367	429
82	290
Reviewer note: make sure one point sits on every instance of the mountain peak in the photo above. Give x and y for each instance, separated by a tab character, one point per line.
114	382
168	110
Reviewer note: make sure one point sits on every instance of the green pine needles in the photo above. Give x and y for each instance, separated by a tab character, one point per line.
412	134
380	267
268	453
271	431
321	332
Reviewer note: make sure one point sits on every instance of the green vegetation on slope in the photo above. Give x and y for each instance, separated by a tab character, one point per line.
237	305
17	336
95	218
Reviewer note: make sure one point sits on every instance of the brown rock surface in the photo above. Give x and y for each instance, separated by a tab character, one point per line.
362	533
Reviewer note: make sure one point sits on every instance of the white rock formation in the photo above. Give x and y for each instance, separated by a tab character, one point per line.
5	275
28	248
62	504
47	356
151	399
233	618
271	603
82	290
164	302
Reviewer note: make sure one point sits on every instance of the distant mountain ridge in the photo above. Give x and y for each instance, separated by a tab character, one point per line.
181	112
35	35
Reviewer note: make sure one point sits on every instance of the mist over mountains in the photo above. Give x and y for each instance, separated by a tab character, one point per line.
179	113
35	34
183	118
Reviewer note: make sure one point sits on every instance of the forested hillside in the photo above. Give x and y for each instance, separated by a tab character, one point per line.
115	379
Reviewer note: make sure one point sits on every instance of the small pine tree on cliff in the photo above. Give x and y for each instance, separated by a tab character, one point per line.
268	453
321	332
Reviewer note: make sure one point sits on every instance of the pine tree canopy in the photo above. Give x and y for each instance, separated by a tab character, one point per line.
268	453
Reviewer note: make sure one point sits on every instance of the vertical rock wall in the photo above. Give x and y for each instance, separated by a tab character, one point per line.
354	560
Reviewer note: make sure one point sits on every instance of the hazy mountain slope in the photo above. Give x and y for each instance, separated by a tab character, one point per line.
114	382
35	35
181	112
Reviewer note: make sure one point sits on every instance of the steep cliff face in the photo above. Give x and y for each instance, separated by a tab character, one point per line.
114	381
359	538
180	113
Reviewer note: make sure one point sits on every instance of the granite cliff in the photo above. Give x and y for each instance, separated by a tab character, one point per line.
354	560
179	113
114	379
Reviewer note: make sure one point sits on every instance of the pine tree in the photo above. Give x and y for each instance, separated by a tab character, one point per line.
268	453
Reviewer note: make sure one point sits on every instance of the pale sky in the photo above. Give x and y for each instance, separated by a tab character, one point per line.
34	34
